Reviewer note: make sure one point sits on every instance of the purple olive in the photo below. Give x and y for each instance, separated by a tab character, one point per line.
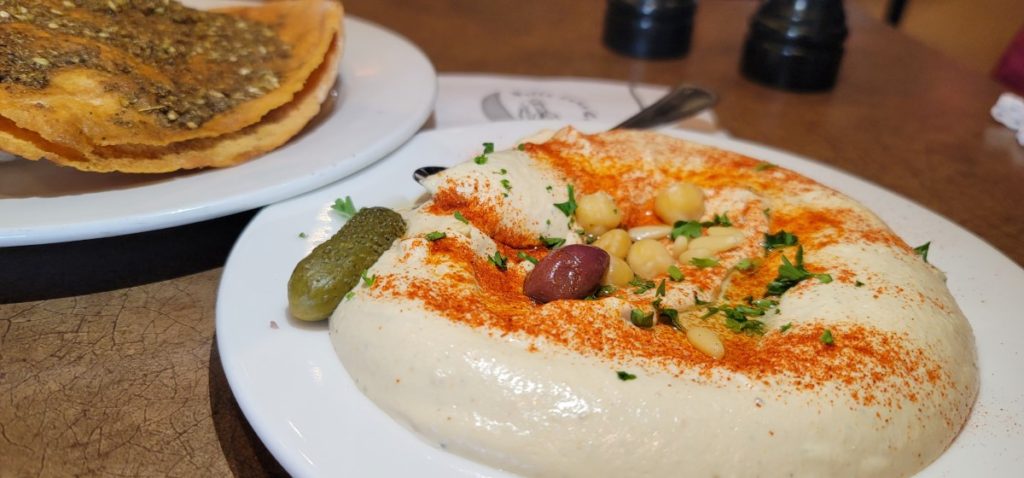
572	272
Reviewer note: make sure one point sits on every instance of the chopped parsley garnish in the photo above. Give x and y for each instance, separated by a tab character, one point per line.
704	262
552	242
719	220
738	317
922	250
642	285
368	280
346	208
690	229
521	147
569	207
625	376
350	295
436	235
526	257
458	215
499	261
791	275
763	165
603	291
826	337
302	235
745	265
549	188
502	171
858	284
660	291
675	274
482	158
506	184
785	327
779	240
641	319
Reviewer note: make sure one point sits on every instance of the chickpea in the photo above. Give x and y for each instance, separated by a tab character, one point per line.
649	258
596	213
679	245
679	202
618	274
615	242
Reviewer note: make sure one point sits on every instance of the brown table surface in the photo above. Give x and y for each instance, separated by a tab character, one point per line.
116	372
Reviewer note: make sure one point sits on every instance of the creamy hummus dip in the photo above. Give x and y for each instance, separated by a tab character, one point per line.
866	367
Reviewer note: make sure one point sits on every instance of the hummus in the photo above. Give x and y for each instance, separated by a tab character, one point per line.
871	372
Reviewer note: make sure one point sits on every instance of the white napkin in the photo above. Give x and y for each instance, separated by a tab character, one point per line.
1009	110
466	99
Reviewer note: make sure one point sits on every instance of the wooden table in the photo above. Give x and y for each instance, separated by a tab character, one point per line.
116	372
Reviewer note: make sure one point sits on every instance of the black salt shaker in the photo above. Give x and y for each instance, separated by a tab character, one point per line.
649	28
795	44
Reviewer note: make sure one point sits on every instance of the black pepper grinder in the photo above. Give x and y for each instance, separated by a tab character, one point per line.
651	29
795	44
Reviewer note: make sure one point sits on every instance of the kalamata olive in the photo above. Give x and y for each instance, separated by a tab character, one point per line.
572	272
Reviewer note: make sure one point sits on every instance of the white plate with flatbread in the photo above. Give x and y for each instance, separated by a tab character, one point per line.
385	92
307	410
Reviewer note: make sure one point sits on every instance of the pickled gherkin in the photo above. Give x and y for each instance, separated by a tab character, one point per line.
321	279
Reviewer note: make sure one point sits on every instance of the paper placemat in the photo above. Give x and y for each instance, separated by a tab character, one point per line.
466	99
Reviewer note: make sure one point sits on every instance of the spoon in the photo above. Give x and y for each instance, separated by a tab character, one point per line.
681	102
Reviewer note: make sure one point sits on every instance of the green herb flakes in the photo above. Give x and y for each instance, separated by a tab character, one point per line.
526	257
521	147
826	338
642	285
345	208
675	274
506	184
792	274
779	240
625	376
499	261
302	235
552	242
569	207
690	229
745	265
763	165
785	327
482	158
434	236
368	281
922	250
458	215
858	284
704	262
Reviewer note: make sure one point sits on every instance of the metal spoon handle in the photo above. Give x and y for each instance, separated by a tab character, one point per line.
682	102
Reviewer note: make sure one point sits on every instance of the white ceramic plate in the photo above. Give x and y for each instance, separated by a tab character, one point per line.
385	93
304	406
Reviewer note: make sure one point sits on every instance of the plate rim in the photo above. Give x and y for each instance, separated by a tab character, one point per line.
294	464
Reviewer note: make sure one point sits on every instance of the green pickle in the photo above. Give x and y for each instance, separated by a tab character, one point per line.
321	279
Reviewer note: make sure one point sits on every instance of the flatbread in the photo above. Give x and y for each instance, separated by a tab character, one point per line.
95	118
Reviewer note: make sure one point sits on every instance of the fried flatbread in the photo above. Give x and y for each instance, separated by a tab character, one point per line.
275	129
82	94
